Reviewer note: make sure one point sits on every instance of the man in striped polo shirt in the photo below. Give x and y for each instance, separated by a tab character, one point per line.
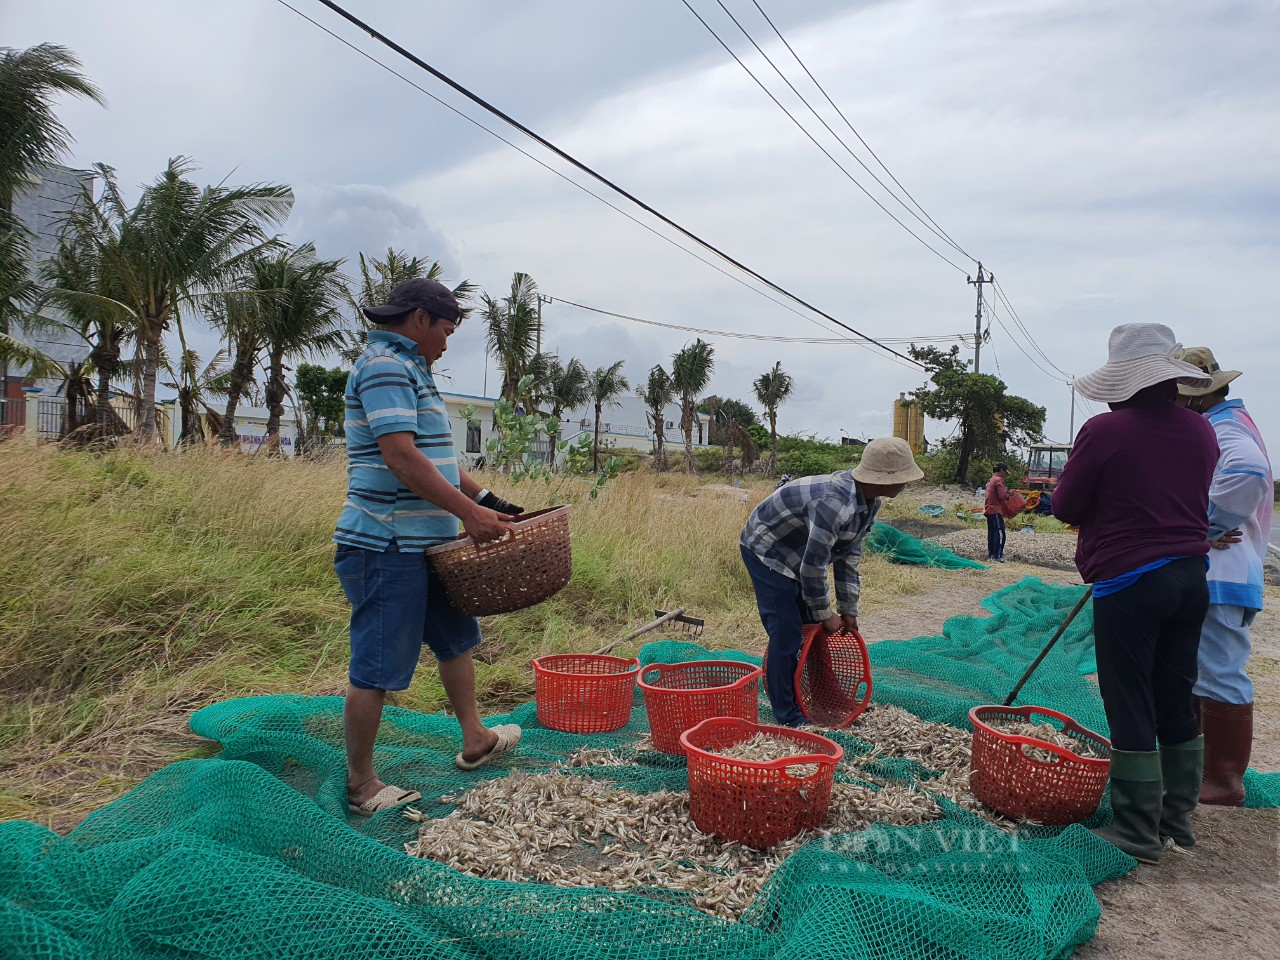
406	492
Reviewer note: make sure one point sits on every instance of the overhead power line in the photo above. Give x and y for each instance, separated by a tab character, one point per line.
825	152
573	183
923	217
933	338
854	131
1004	298
579	165
1038	365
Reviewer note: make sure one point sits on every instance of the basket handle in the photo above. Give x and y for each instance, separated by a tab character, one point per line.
1069	725
819	759
643	674
755	674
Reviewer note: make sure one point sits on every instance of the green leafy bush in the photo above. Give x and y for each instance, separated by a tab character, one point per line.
807	456
709	460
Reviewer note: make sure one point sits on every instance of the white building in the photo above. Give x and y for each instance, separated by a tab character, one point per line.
43	207
470	434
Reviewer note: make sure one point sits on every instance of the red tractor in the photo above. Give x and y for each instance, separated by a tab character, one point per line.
1044	465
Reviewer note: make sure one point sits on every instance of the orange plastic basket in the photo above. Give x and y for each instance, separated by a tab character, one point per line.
833	676
754	803
523	569
1003	775
678	696
584	692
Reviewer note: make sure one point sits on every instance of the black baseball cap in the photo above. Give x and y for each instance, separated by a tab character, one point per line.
417	294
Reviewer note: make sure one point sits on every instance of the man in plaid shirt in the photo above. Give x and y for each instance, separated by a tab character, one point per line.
795	534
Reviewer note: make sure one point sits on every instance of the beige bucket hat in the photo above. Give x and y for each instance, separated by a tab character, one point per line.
1139	355
1203	359
887	460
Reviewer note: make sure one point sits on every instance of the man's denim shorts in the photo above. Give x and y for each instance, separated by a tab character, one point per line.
397	604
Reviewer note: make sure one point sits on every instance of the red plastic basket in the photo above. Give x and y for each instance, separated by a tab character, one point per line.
753	803
584	692
833	676
1066	789
678	696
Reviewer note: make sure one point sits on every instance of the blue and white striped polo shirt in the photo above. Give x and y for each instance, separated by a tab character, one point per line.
391	390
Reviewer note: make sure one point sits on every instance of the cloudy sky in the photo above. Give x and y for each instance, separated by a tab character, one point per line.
1110	162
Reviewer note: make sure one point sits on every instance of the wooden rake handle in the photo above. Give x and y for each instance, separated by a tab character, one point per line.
653	624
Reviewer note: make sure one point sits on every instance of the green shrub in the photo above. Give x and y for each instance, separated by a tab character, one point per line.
805	456
801	463
709	460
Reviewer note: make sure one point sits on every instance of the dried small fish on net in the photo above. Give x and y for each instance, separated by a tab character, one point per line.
897	734
566	829
1047	732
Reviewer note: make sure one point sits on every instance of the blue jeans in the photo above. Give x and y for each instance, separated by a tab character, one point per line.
995	536
1224	651
397	605
784	614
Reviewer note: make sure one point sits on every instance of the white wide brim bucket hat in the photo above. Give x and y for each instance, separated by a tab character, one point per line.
887	461
1139	355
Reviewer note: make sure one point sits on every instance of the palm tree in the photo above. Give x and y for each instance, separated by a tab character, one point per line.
603	387
537	376
657	394
772	390
178	244
77	284
300	314
511	332
565	388
30	136
239	317
690	373
374	285
30	133
18	295
195	385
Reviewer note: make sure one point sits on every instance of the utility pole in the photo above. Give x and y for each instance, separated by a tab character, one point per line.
541	301
1071	437
977	320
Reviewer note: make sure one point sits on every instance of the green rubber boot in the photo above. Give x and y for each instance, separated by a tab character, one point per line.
1137	789
1182	767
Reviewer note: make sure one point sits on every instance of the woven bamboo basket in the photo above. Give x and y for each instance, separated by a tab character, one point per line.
529	566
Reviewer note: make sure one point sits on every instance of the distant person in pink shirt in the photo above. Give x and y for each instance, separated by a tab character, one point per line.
997	496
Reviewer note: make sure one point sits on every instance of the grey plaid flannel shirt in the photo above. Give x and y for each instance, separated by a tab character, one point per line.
807	525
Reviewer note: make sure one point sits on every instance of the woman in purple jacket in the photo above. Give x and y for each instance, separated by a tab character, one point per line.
1137	486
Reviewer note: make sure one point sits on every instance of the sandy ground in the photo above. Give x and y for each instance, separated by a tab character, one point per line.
1224	895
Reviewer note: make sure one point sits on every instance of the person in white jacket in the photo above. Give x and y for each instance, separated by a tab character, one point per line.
1240	508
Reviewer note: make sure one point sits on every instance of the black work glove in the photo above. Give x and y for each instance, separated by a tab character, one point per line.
495	502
